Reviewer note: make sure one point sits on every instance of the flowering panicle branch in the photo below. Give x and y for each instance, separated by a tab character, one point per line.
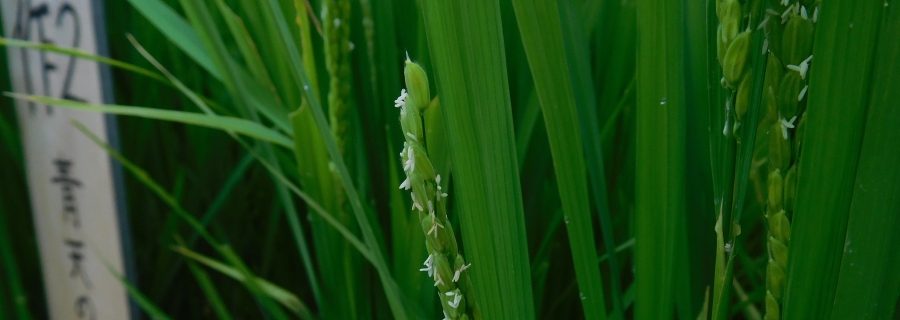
445	265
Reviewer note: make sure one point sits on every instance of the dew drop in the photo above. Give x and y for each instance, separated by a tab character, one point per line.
566	218
305	87
582	296
663	101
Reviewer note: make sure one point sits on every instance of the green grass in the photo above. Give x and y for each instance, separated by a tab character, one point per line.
580	143
660	195
831	154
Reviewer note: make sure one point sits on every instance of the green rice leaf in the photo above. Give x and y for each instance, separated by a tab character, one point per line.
695	254
246	46
178	31
466	46
238	125
81	54
104	60
284	297
257	288
209	288
543	40
838	98
247	92
578	58
144	178
289	48
142	301
868	284
282	192
660	154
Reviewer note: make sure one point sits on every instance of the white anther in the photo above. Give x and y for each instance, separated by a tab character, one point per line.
439	280
763	23
459	272
401	101
455	302
785	125
405	184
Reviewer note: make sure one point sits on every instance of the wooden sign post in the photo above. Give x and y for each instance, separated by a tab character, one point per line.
76	190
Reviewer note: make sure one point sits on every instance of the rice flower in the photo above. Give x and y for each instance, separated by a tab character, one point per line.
450	279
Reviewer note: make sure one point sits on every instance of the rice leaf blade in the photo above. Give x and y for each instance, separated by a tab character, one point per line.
289	48
660	154
238	125
542	36
178	31
465	45
868	283
208	287
837	105
284	297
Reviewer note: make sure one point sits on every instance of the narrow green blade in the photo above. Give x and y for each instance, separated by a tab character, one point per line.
466	46
868	284
238	125
284	297
838	93
660	153
541	33
178	31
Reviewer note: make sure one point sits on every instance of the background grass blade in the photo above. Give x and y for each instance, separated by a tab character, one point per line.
263	287
301	80
81	54
837	104
660	194
142	301
284	297
465	45
695	258
281	191
542	37
238	125
209	289
578	58
178	31
869	284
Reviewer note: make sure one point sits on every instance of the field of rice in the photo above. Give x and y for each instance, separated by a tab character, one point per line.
487	159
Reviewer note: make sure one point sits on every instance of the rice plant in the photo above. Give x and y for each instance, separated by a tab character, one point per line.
637	159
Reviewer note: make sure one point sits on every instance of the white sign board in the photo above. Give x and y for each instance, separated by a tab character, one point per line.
76	202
